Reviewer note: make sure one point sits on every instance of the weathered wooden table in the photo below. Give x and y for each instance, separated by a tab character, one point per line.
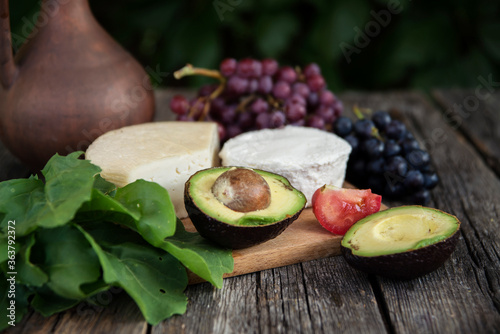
461	130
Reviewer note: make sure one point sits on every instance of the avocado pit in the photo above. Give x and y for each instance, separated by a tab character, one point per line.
242	190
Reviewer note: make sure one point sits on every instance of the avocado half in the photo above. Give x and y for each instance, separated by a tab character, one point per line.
233	229
403	242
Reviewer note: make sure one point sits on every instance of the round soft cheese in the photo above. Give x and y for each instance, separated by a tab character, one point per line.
309	158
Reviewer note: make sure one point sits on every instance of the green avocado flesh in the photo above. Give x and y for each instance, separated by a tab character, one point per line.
285	200
399	230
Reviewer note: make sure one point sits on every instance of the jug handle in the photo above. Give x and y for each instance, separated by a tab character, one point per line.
8	68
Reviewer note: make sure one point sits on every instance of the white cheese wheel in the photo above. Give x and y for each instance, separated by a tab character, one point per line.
167	153
309	158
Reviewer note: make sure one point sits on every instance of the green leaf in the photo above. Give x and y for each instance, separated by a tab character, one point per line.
105	208
104	186
153	278
27	272
150	202
30	203
47	303
68	259
22	199
16	298
143	206
199	255
4	251
68	184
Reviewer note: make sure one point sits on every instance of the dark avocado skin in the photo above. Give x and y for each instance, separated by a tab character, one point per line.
407	265
232	236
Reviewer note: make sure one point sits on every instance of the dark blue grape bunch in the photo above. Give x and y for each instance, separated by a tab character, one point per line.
386	157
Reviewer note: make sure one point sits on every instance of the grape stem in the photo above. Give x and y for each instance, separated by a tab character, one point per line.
244	103
273	101
359	114
190	70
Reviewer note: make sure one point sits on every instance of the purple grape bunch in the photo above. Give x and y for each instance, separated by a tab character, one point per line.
386	157
259	94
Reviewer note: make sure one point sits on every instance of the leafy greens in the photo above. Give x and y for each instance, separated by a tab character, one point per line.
76	235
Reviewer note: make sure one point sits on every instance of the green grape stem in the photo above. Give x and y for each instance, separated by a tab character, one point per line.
189	70
360	115
245	102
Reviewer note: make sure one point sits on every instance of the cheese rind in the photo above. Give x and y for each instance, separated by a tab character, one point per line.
309	158
167	153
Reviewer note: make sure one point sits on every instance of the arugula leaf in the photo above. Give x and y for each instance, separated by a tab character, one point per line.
22	200
199	255
68	259
143	206
47	303
68	184
4	254
77	235
27	272
153	278
151	202
105	208
20	299
104	186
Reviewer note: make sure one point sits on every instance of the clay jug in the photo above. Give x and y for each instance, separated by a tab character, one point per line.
68	84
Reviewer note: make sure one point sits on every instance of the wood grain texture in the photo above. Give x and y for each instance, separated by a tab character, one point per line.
117	314
111	311
475	113
341	299
35	323
232	309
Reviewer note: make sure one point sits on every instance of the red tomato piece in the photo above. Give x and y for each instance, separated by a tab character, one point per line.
337	209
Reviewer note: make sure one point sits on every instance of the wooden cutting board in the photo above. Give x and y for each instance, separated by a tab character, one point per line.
304	240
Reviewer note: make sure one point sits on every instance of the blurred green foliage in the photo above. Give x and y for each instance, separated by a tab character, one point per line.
360	44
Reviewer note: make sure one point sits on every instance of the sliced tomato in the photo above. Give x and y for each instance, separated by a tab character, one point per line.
337	209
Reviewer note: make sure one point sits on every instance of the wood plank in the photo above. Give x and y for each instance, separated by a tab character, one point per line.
117	314
464	295
34	323
112	311
232	309
331	284
475	114
321	296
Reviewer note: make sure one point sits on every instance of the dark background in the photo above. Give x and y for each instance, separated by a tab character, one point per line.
360	44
